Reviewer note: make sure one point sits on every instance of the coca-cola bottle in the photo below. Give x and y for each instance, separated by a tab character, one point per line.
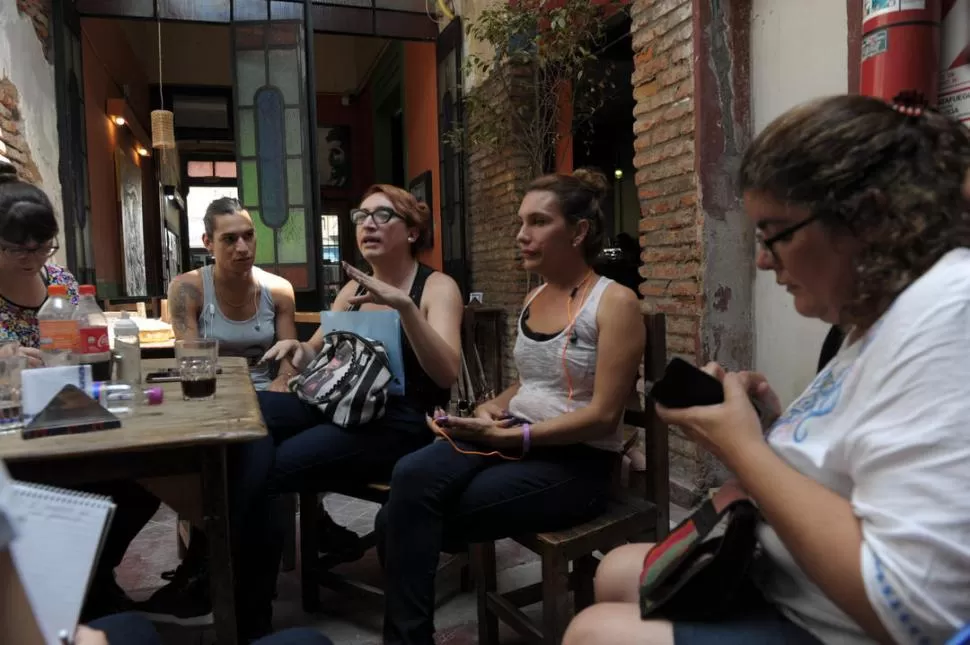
92	348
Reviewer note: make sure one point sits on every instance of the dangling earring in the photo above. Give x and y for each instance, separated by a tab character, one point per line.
411	239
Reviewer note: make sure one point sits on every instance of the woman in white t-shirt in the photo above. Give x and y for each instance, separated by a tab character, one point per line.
864	482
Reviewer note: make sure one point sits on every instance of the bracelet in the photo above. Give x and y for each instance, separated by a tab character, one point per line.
526	438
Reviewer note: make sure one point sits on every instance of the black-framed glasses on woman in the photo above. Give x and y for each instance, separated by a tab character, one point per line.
381	215
20	252
784	235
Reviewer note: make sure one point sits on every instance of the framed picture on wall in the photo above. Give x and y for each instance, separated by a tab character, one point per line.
333	153
420	187
128	176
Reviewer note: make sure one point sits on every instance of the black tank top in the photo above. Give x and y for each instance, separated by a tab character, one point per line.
419	388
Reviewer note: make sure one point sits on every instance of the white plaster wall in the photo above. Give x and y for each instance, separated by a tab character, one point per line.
798	52
469	10
22	61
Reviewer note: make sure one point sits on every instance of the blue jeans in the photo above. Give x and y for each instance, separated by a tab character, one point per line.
763	626
444	500
135	629
304	451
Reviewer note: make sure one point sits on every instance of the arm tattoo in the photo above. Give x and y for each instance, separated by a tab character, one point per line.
184	294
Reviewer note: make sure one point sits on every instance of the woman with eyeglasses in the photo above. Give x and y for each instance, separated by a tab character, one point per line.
862	483
310	452
28	240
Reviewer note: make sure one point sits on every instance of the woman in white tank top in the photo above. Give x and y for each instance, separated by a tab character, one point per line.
540	456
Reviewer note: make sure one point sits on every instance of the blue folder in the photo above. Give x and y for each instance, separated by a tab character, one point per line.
383	326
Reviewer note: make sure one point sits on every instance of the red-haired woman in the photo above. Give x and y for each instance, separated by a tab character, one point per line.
392	226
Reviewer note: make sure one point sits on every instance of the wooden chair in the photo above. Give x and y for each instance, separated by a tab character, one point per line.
629	517
138	308
143	307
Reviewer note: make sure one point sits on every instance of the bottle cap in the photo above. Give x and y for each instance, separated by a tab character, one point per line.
86	290
57	290
154	395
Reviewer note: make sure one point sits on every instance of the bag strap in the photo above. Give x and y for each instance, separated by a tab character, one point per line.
669	553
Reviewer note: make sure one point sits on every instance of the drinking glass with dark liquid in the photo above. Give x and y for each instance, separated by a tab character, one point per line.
197	361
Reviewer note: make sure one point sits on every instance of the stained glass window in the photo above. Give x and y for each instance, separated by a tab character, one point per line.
272	124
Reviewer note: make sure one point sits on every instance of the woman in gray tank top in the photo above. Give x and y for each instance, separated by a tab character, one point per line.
540	456
247	310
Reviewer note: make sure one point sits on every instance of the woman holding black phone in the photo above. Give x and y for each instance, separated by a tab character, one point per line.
862	482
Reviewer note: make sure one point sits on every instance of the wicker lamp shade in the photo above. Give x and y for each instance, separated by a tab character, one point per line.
163	130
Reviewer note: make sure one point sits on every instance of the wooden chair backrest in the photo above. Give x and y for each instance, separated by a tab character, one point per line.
655	431
138	308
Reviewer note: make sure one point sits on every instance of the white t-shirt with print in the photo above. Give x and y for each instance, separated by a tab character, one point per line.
887	426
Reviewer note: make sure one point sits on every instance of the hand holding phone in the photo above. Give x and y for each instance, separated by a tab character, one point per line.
684	386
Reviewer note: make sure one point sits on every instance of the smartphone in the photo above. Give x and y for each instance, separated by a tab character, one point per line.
683	386
168	375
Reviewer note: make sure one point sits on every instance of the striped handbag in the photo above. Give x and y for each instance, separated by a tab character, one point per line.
347	381
690	577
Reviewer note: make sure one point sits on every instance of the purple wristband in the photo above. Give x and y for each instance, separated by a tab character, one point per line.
526	438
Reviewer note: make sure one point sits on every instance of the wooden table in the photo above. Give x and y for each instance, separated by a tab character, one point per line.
175	438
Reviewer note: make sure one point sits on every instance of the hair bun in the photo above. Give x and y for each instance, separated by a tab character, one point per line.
7	172
593	180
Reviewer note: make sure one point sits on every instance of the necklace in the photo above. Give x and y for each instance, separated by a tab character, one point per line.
243	303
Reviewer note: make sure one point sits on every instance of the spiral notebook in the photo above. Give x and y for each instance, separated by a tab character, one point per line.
59	537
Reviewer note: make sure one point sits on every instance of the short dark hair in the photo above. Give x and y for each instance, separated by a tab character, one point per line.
221	206
26	214
579	196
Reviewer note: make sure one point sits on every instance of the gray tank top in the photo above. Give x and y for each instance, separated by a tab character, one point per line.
247	339
543	386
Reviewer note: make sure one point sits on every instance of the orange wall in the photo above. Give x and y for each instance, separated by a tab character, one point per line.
109	64
421	129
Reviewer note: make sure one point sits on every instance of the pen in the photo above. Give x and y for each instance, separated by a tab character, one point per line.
63	637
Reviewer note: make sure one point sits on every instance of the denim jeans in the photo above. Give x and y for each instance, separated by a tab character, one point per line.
135	629
443	500
303	452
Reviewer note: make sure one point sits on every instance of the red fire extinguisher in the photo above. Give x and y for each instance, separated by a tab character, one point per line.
901	48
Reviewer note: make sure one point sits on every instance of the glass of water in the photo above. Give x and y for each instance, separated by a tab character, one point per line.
197	362
11	365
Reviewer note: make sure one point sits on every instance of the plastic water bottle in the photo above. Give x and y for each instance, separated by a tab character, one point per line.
122	399
128	350
93	348
57	327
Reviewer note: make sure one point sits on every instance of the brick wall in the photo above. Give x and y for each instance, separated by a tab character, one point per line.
667	186
692	104
664	159
13	143
40	12
496	184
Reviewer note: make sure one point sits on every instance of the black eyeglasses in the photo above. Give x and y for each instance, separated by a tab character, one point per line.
381	215
784	235
22	252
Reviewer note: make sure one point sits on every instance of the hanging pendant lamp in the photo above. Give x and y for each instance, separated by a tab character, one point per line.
163	121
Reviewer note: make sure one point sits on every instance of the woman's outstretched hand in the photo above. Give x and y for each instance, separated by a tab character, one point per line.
375	291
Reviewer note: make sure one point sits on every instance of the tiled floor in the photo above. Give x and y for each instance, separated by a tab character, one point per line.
347	620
